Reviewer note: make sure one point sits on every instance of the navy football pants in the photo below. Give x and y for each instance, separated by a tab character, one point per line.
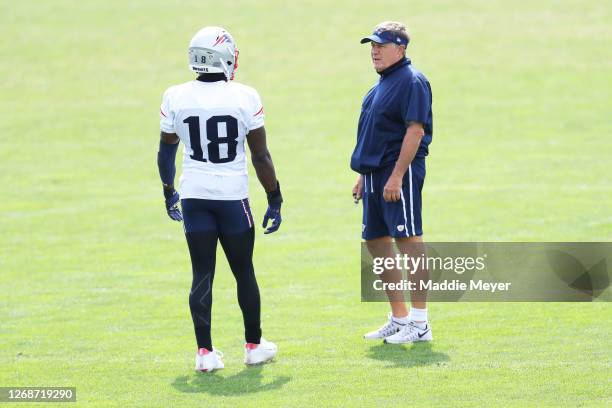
231	223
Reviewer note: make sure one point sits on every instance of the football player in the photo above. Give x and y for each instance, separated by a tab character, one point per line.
213	116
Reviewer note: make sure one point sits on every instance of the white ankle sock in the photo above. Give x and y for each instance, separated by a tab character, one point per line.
418	315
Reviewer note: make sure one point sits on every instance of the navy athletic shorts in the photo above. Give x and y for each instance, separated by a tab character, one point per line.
227	217
395	219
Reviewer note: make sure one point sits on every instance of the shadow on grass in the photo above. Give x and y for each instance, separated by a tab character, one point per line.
249	380
417	354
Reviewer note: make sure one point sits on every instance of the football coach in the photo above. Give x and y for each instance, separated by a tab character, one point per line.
393	135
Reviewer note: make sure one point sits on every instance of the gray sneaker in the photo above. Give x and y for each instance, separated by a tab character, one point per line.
389	329
410	333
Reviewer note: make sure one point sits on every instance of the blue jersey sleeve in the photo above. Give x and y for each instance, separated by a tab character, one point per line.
417	106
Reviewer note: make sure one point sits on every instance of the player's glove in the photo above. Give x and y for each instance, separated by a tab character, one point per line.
172	207
273	212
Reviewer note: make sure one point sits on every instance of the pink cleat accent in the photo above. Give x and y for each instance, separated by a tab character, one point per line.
259	353
207	361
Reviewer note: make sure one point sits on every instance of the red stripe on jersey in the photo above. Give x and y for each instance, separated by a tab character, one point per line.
162	113
259	111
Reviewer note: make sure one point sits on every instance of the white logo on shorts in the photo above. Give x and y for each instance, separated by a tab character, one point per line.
400	228
362	227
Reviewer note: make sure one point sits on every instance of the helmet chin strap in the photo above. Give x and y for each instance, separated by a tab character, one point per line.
225	69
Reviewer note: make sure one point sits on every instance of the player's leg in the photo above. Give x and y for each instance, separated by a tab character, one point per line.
238	249
408	234
383	247
237	237
418	328
398	317
379	244
201	234
415	248
202	249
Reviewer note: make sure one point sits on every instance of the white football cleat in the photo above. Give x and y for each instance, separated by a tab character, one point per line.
410	333
207	361
389	329
259	353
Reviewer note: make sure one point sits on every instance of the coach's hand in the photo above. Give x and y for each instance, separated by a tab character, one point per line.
393	188
358	189
273	213
172	207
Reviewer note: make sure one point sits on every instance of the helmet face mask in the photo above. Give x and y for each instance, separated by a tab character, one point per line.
213	50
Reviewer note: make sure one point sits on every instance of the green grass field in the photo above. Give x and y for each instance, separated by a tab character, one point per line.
94	278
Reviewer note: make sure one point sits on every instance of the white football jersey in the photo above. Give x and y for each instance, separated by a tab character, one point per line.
212	120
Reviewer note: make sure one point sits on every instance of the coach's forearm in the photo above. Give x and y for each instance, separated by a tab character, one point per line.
265	171
410	145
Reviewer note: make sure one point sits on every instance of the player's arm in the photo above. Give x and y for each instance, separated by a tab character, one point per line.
410	145
166	156
262	162
261	158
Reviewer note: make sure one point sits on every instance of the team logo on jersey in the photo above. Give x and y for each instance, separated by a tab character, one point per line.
400	228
